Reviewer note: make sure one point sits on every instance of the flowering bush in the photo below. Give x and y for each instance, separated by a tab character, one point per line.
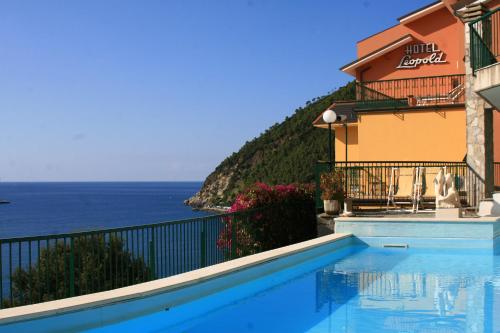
266	217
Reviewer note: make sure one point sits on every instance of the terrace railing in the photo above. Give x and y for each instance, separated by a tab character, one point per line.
44	268
369	98
485	40
411	92
369	182
496	167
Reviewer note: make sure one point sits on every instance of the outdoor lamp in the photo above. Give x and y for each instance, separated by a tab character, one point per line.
329	117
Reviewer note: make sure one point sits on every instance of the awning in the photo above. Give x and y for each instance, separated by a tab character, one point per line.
351	67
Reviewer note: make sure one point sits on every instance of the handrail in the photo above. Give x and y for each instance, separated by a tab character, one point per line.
411	92
414	78
393	161
371	98
118	229
496	171
41	268
488	14
484	37
368	182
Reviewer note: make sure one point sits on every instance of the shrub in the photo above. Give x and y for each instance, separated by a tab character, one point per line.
268	217
98	265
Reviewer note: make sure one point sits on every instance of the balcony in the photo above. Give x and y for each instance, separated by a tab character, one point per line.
412	92
485	40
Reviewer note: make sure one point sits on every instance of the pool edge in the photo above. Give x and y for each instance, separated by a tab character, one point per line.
86	302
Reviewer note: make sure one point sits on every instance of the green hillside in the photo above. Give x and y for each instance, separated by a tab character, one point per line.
284	153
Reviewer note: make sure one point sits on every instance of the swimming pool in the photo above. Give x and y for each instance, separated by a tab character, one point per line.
354	289
335	283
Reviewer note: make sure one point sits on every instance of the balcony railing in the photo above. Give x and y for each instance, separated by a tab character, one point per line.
485	40
44	268
370	182
496	166
411	92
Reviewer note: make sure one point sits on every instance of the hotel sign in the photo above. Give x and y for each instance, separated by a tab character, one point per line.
421	54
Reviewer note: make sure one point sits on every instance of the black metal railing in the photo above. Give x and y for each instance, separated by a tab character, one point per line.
485	40
411	92
43	268
496	168
369	182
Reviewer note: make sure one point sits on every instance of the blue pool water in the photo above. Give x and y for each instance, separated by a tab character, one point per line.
46	208
355	289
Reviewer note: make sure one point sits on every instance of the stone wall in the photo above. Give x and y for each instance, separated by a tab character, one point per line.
479	121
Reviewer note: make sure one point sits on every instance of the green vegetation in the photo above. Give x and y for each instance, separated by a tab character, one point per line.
98	265
276	216
285	153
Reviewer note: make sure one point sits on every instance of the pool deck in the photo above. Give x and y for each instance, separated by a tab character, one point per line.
469	232
88	311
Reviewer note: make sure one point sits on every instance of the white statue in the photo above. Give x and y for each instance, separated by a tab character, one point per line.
439	183
446	193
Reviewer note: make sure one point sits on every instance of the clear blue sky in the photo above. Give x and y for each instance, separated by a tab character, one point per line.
163	90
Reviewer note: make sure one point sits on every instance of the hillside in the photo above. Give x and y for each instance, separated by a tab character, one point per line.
284	153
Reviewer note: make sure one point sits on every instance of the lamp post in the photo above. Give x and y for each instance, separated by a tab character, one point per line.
345	127
329	117
346	184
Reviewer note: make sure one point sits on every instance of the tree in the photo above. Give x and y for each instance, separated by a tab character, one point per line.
98	264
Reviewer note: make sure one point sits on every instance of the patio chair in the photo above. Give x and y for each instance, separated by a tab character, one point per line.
403	185
393	187
418	188
451	97
429	176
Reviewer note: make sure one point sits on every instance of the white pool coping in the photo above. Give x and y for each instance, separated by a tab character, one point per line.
40	310
418	219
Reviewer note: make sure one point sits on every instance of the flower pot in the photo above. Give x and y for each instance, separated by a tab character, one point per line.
331	207
412	101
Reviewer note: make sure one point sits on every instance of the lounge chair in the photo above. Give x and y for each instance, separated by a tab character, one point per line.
402	186
451	98
429	176
418	188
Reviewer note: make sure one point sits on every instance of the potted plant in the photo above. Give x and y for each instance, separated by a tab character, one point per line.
412	100
331	184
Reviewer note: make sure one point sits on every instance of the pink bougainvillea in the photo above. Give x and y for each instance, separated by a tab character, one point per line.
266	217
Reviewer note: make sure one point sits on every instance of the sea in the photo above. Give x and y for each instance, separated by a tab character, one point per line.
61	207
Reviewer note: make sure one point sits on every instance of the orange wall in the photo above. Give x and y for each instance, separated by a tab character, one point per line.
440	27
496	135
352	143
412	135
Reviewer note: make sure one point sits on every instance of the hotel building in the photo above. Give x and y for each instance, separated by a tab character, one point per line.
421	94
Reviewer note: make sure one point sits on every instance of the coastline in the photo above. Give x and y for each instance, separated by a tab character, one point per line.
206	208
202	201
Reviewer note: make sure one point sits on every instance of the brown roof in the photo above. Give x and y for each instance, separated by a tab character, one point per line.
340	108
419	10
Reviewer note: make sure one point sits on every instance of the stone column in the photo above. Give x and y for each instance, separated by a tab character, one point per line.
479	124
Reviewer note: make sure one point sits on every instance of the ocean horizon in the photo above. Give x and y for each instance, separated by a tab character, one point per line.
53	207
